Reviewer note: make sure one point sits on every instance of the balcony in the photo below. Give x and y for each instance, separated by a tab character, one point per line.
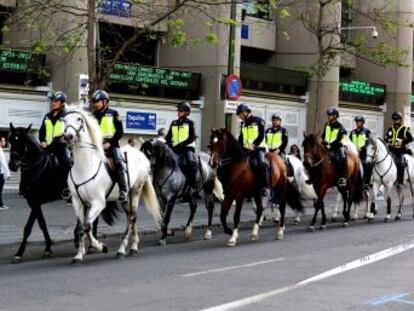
270	79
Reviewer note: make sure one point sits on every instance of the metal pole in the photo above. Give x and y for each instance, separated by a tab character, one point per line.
232	37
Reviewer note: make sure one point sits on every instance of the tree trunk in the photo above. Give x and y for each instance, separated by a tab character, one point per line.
91	45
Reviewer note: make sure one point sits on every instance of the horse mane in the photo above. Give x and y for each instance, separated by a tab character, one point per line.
170	158
93	129
235	149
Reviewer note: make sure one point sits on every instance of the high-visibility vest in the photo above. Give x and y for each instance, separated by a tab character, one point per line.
53	131
180	133
331	134
359	140
274	140
395	134
107	126
250	134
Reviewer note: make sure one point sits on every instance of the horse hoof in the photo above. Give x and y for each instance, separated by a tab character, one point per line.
162	242
208	235
188	235
231	243
276	221
370	219
17	259
76	262
47	254
255	237
120	255
133	252
104	249
296	222
322	227
398	217
280	236
345	225
311	228
170	233
386	219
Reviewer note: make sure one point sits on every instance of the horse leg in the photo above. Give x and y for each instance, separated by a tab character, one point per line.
259	215
387	195
95	228
346	206
225	208
26	233
281	230
188	232
42	224
316	205
135	237
209	199
130	211
76	234
80	215
167	217
336	208
236	219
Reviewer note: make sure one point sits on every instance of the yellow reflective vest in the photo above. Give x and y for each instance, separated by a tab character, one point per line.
250	133
180	133
107	126
396	133
53	131
331	134
359	138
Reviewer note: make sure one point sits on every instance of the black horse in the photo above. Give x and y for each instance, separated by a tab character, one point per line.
41	181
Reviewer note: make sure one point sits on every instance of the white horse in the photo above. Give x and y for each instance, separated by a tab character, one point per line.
385	174
91	185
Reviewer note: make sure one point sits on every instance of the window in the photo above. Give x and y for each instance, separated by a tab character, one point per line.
256	56
257	8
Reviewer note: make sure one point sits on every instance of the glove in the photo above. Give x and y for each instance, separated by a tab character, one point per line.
328	146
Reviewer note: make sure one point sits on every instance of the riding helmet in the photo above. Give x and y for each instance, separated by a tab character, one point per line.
184	106
59	96
397	115
332	111
359	119
243	107
276	117
99	95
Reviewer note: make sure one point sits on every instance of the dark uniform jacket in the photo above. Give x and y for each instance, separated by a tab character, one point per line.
119	131
259	122
185	143
285	139
49	115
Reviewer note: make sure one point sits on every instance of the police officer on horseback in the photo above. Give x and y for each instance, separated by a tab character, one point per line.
333	137
397	137
276	136
51	136
252	139
181	139
112	130
359	136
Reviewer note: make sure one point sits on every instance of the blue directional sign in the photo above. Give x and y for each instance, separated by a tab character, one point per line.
115	7
141	120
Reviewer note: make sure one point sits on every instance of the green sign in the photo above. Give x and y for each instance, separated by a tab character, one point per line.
412	98
362	87
18	61
154	76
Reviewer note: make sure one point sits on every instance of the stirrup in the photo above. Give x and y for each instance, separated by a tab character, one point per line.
65	194
400	186
342	182
264	192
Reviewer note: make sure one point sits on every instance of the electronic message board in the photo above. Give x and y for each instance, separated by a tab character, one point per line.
362	91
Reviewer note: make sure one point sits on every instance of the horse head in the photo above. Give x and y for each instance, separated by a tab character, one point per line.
312	148
74	126
217	145
371	149
146	148
18	138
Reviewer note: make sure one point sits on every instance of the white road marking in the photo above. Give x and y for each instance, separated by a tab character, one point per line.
338	270
234	267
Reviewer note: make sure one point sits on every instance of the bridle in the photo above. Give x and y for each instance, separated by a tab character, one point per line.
79	130
373	156
321	160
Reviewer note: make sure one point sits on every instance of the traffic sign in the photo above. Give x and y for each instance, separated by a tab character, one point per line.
233	87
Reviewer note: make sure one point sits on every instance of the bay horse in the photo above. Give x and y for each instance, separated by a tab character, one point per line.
240	182
323	174
170	184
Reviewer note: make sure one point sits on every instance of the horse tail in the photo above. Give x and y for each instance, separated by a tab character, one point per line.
110	212
358	191
218	190
307	192
151	202
293	198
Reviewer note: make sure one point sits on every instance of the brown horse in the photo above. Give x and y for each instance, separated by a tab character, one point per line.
324	175
240	182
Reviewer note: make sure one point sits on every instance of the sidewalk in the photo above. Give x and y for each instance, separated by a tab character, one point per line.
61	221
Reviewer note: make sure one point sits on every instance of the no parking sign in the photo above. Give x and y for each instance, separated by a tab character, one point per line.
233	87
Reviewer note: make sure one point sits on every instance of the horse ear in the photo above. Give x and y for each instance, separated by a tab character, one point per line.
29	128
213	130
11	126
304	134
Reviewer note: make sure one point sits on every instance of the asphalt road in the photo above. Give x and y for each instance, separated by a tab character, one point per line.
202	274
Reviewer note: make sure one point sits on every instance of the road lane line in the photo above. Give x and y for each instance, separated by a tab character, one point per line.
253	264
366	260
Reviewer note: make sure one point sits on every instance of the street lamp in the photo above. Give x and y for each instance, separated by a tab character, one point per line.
374	32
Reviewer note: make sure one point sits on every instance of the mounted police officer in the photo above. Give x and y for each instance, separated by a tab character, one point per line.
112	131
333	137
276	136
252	139
51	136
397	137
359	137
181	138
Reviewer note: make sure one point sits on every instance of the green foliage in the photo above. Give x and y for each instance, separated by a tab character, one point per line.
38	46
178	38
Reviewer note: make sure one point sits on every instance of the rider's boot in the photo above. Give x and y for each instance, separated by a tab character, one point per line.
400	176
342	174
123	188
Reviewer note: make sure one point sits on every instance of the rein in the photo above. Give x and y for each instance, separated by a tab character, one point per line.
378	162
